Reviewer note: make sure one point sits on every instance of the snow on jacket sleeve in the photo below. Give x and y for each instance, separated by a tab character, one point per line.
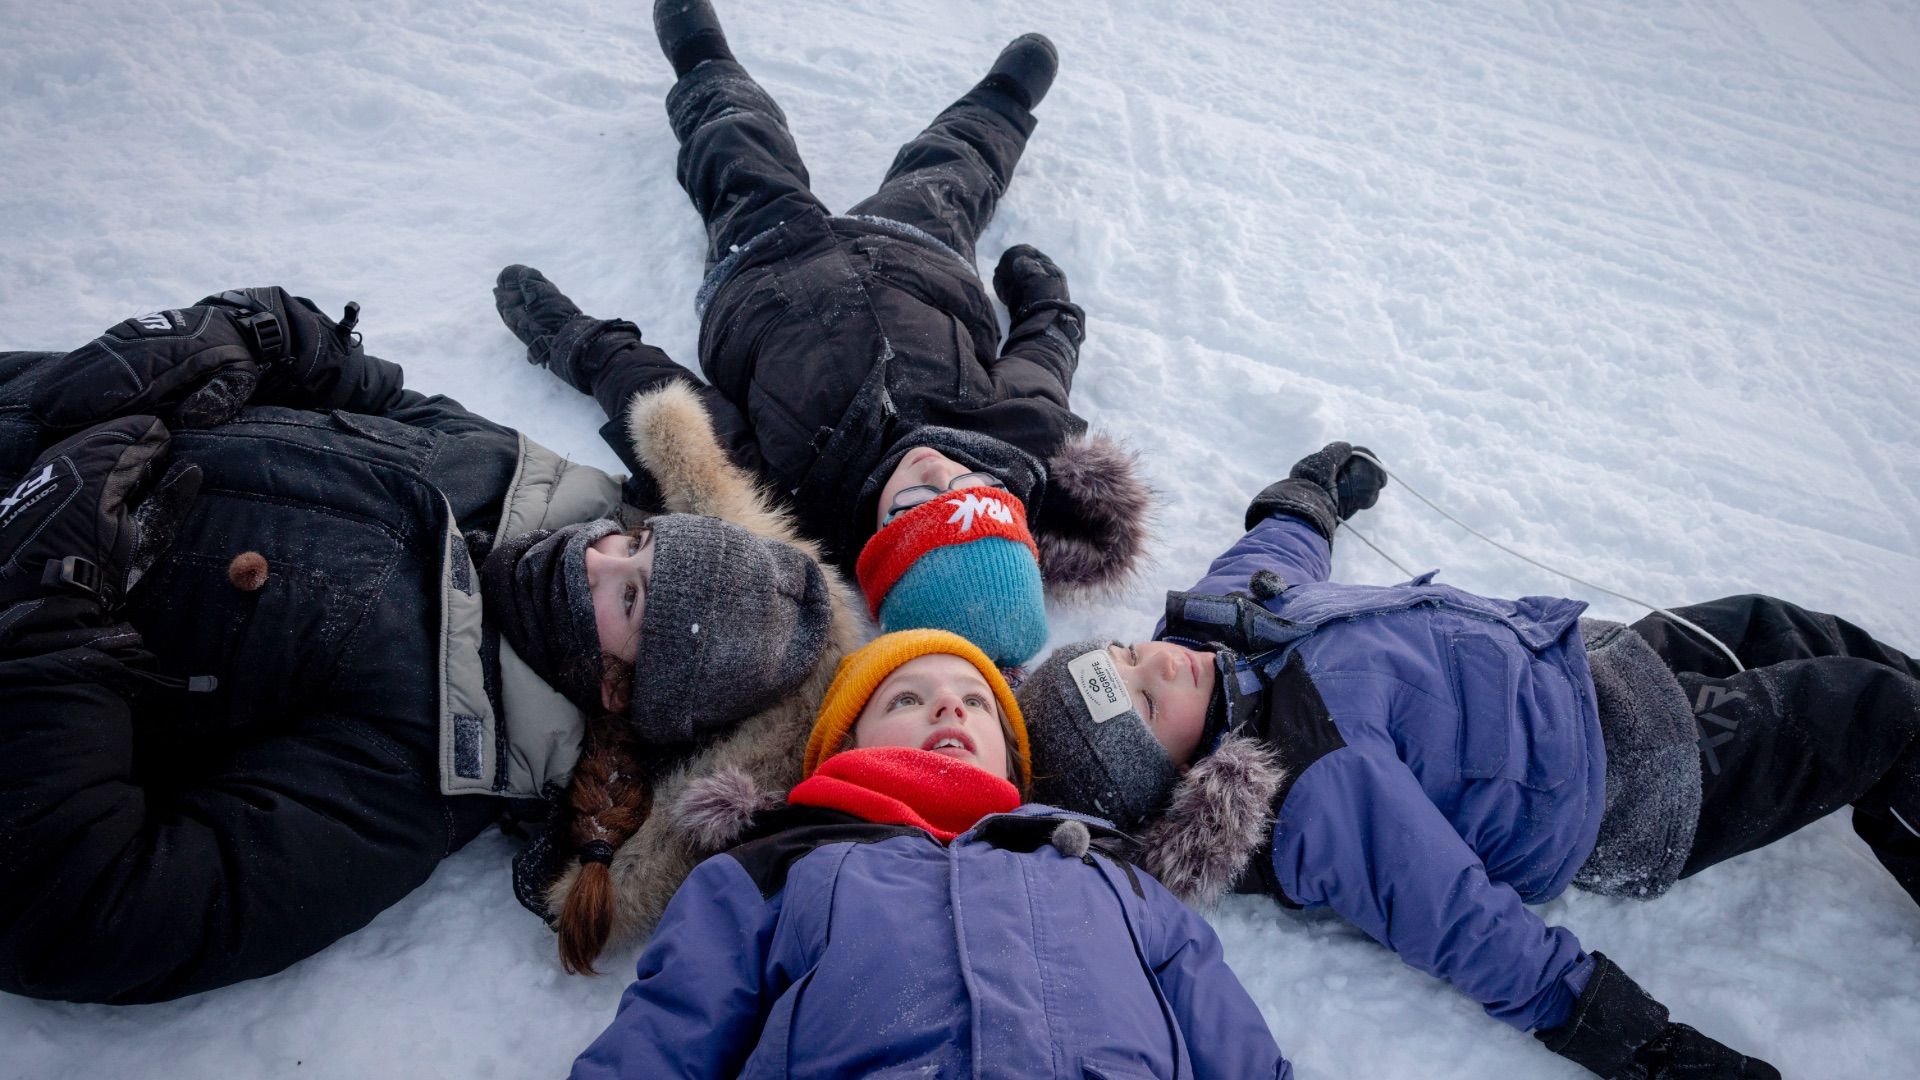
1225	1034
1283	544
702	991
1357	833
110	892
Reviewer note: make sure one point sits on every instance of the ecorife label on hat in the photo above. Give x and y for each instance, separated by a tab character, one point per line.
1100	686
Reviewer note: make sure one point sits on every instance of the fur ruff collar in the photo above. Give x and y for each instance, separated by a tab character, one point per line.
1096	520
1220	817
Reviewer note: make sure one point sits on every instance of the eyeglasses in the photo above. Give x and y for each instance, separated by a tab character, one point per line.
921	494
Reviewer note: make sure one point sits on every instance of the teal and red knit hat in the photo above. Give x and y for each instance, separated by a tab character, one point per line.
965	562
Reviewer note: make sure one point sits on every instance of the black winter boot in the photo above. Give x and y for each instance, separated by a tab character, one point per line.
1024	70
546	322
689	34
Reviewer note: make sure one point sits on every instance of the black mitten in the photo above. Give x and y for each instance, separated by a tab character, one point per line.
558	336
1324	488
311	361
75	534
1618	1031
1026	279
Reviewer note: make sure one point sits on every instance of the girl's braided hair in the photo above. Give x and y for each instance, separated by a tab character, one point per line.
609	799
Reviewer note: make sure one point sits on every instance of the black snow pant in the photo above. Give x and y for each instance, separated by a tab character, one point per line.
1824	716
740	166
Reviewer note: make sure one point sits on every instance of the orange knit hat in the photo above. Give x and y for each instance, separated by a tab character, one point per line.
863	670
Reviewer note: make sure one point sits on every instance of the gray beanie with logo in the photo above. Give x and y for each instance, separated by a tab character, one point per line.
1099	756
733	622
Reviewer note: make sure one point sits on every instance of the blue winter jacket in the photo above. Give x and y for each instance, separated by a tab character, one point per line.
838	948
1445	764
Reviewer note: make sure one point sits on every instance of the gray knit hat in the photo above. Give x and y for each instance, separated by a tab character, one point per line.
1095	753
732	623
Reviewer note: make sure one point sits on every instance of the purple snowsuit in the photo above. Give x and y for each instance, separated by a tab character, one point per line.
1444	759
835	947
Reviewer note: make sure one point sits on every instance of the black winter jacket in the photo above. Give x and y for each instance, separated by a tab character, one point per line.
829	342
155	842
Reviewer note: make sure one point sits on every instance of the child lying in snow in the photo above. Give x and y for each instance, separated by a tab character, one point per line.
1426	761
905	913
855	362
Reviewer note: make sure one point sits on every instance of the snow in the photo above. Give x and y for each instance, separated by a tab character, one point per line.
1631	286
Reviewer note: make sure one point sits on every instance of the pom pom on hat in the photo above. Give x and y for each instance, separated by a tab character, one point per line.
964	562
863	670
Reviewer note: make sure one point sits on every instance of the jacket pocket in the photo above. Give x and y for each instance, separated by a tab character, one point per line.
773	1053
1518	715
1483	679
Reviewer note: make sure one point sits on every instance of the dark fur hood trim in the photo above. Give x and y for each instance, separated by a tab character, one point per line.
1220	816
1095	521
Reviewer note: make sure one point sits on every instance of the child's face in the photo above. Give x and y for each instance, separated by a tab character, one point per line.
619	570
1171	687
922	466
939	703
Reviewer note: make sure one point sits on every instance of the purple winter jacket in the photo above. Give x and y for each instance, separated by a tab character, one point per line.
834	947
1444	758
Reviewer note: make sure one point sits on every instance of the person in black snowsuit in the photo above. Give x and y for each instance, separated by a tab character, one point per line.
248	705
835	345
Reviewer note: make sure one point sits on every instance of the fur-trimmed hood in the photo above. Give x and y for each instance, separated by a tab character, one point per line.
674	440
1087	505
1095	519
1221	814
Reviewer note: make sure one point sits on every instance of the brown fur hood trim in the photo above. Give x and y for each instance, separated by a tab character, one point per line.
1221	816
673	438
1095	521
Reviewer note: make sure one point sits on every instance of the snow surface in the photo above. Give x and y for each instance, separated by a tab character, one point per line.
1629	285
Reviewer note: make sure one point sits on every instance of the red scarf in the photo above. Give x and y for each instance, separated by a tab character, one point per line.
900	785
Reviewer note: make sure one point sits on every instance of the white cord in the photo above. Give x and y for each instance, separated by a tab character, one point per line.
1721	645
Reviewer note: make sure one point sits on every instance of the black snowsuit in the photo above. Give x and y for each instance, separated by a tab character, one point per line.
1824	716
156	842
829	341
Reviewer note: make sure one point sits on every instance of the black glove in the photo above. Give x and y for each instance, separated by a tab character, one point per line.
198	365
1323	488
1025	280
75	534
316	363
1618	1031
